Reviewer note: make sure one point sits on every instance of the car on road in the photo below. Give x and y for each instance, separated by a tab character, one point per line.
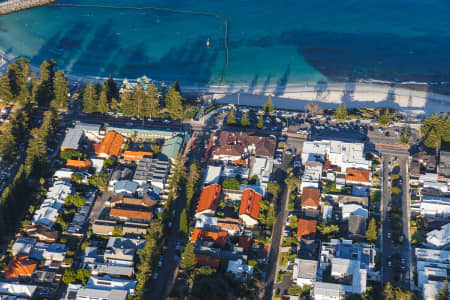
389	235
389	264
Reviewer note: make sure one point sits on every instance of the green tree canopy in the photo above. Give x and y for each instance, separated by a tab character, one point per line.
61	90
341	112
443	292
188	258
260	122
245	121
174	102
268	106
90	98
386	118
371	233
230	184
231	118
184	224
75	200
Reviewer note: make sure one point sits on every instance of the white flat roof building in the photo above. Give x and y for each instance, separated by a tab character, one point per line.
262	167
17	289
107	283
312	175
354	209
239	269
206	222
23	245
212	175
305	272
432	266
342	154
434	206
439	238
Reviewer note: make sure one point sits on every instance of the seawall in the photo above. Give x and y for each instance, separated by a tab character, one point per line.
11	6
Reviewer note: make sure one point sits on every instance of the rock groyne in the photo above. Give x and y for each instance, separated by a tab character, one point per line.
11	6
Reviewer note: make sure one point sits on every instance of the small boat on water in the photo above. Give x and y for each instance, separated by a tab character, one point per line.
207	43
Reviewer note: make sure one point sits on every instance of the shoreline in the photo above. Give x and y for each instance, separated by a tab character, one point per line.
294	96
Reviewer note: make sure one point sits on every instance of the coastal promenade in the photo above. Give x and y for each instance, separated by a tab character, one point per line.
11	6
330	95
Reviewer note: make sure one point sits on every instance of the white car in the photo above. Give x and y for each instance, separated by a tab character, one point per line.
389	235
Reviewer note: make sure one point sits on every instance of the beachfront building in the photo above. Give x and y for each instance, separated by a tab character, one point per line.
91	131
232	146
341	154
142	133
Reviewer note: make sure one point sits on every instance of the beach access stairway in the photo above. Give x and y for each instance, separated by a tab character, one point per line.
11	6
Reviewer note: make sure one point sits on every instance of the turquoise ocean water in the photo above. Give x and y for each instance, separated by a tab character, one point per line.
270	42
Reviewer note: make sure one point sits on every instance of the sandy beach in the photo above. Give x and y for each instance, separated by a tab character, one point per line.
296	96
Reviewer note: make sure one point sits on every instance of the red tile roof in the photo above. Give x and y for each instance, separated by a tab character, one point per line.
206	260
111	144
310	197
78	164
20	266
136	155
131	214
209	198
218	237
306	228
234	143
357	175
250	203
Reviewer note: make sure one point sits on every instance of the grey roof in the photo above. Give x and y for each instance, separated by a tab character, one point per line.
17	289
305	268
125	243
172	147
88	127
121	173
145	133
357	225
347	199
444	164
72	139
150	169
90	293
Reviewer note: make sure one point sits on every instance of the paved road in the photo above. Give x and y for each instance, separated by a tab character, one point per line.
277	231
388	247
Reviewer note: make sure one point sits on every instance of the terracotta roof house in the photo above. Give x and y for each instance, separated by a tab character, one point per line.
132	209
209	199
20	266
306	229
230	225
218	237
357	176
206	260
249	210
42	233
111	145
118	200
78	164
129	214
310	198
230	146
136	155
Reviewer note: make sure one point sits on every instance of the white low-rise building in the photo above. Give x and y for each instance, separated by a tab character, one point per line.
305	272
434	206
312	175
107	283
342	154
432	266
212	175
239	269
23	245
439	238
354	209
16	289
262	168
